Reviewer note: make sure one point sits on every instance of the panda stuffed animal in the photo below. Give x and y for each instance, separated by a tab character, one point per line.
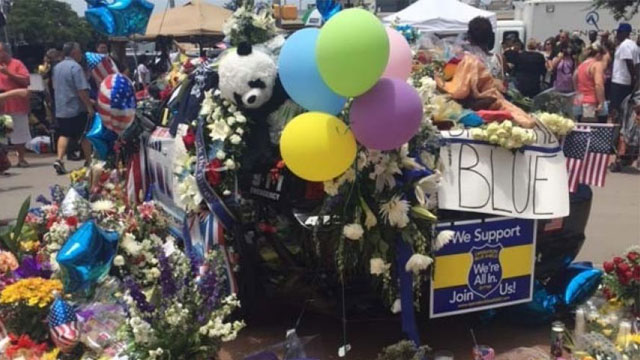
249	79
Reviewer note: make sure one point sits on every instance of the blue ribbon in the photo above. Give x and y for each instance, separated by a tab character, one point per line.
408	315
214	202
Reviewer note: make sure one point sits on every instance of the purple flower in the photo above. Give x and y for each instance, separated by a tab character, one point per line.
138	296
209	287
43	200
31	267
167	282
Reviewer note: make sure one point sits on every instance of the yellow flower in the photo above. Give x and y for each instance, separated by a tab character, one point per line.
78	175
29	246
32	291
51	355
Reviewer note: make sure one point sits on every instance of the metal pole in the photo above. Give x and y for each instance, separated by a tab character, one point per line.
172	3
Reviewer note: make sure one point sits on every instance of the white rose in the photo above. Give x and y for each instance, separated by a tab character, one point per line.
231	120
239	131
377	266
418	263
235	139
230	164
240	118
353	231
118	261
221	155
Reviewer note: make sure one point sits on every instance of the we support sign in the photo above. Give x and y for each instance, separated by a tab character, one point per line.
527	183
488	264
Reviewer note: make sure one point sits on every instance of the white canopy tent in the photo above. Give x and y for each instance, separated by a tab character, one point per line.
449	16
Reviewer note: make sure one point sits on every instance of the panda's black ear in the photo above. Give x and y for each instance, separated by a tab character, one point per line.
244	49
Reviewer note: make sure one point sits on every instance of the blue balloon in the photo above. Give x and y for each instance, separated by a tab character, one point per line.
575	284
328	8
101	138
300	77
86	257
120	17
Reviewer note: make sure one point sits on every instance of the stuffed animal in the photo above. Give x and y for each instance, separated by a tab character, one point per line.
247	77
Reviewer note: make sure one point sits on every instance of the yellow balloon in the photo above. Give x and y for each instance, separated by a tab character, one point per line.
317	146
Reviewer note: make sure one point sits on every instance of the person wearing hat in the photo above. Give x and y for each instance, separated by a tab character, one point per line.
624	75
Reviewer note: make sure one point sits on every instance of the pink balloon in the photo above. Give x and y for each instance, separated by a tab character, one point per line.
400	57
387	116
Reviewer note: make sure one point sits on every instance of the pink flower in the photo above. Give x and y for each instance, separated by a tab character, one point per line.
146	210
8	262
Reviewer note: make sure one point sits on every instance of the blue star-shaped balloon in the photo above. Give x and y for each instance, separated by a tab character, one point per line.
119	18
101	138
86	257
328	8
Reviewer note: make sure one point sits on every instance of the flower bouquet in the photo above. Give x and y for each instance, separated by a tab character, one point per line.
622	279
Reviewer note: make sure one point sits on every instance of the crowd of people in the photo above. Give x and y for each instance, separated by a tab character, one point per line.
603	76
69	97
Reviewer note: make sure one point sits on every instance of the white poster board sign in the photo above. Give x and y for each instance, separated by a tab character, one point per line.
529	183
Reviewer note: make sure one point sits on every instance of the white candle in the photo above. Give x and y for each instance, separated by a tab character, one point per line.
580	322
624	330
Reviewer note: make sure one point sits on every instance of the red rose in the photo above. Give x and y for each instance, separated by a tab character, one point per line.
608	266
623	267
211	172
633	256
617	260
189	140
72	221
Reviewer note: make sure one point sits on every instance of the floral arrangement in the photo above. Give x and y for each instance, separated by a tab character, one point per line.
250	24
558	124
188	317
387	198
505	134
225	132
24	305
6	125
159	301
622	278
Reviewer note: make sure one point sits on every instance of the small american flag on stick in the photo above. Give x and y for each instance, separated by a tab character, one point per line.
576	147
601	146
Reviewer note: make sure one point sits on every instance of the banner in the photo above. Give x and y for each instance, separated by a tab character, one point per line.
530	182
488	264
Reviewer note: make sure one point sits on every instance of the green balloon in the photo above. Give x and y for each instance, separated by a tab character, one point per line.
352	52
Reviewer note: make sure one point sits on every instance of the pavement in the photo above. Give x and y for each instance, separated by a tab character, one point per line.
614	225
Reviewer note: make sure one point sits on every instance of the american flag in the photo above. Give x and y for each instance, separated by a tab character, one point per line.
63	325
576	147
601	146
100	66
116	102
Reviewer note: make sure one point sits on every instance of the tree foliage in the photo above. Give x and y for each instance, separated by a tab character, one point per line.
48	22
621	9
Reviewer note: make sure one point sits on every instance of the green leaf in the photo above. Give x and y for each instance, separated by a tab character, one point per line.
22	215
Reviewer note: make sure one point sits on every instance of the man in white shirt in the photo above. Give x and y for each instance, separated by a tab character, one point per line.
624	76
143	75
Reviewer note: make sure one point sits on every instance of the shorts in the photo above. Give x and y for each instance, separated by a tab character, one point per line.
73	127
21	133
618	93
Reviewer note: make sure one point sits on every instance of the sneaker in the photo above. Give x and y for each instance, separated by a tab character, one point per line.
59	166
23	164
615	167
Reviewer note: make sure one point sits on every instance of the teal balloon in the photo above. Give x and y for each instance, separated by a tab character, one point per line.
101	138
86	257
119	17
299	74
